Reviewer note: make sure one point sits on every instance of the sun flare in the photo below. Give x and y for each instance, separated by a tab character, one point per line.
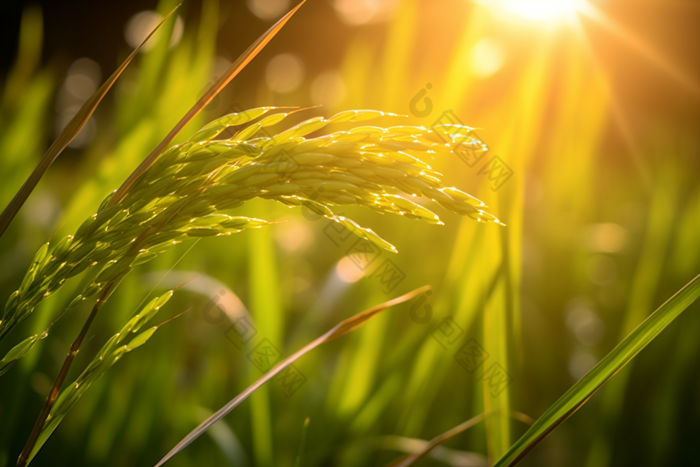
540	10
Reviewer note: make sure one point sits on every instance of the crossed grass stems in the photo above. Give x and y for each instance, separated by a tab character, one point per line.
190	191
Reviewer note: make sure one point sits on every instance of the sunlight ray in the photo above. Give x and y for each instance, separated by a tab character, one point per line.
643	48
619	118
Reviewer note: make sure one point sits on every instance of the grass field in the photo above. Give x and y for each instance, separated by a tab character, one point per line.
553	332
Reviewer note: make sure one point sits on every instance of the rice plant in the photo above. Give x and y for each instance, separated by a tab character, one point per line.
191	189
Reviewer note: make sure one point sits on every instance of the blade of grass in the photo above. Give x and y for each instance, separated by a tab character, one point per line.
302	444
268	313
398	53
496	332
435	442
226	440
338	330
502	329
668	410
621	355
31	37
235	68
67	135
362	368
467	282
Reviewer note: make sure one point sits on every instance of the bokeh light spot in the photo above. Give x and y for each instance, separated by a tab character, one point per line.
141	24
294	235
268	9
357	12
348	271
584	323
602	270
580	363
606	238
328	89
487	57
538	10
83	79
284	73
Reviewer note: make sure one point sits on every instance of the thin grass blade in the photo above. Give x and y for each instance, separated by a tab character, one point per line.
338	330
620	356
437	441
213	91
67	135
495	377
302	444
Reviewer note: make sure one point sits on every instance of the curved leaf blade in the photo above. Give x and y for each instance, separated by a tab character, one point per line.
620	356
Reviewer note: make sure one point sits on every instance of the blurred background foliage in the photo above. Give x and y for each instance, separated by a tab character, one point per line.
596	117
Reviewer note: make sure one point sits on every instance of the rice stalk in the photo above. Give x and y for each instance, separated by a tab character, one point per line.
267	310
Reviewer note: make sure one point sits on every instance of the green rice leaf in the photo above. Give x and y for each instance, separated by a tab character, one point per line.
620	356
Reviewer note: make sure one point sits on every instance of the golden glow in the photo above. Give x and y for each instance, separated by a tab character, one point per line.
487	57
539	10
636	43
